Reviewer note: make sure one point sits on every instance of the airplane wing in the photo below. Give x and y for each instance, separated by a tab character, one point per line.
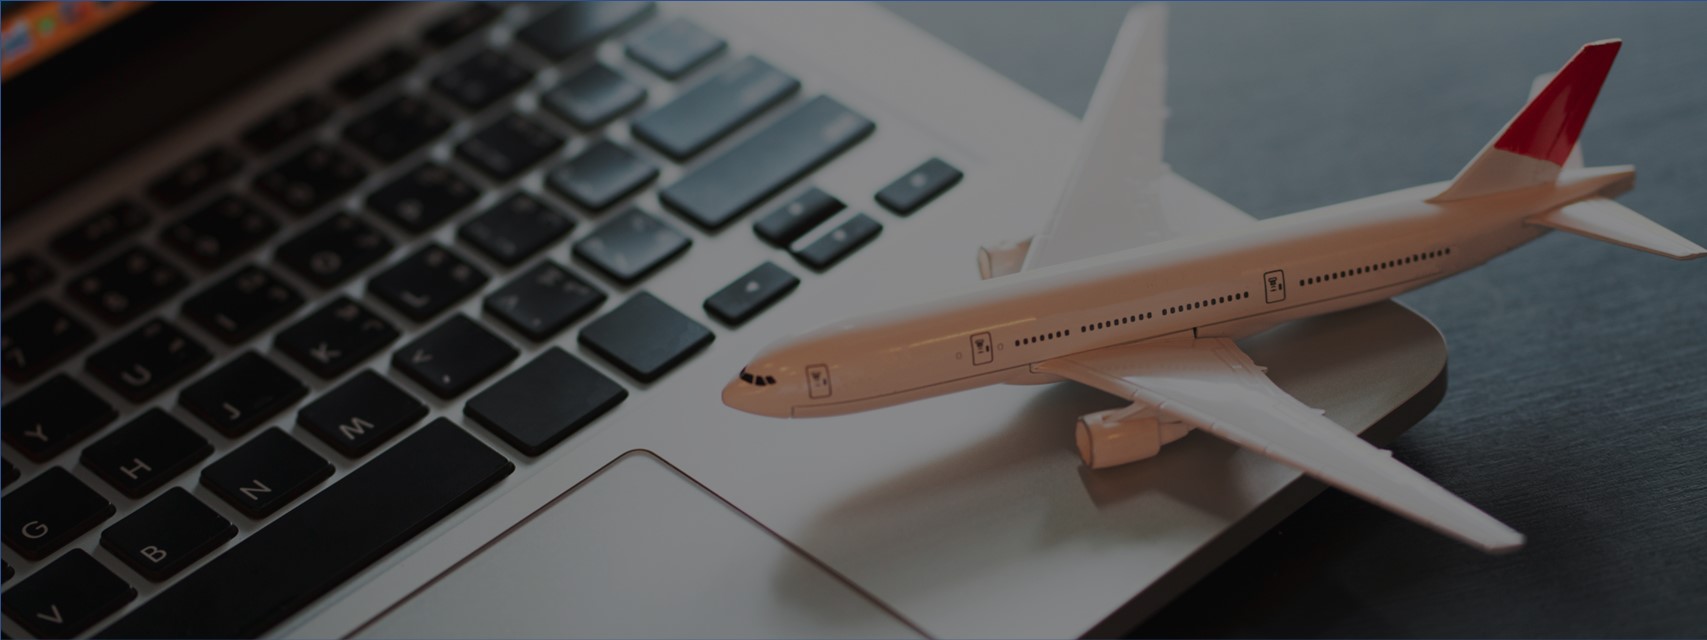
1212	385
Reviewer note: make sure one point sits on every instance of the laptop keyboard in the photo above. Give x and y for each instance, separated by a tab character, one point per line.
250	236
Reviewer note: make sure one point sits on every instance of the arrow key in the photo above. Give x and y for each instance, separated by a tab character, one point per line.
67	597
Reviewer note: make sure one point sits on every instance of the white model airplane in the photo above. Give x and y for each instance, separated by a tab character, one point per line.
1145	303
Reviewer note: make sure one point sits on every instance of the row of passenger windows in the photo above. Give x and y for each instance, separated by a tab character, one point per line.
1043	338
1379	266
1115	322
1200	304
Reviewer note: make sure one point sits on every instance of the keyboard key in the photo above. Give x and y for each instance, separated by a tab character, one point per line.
242	305
631	245
481	79
220	231
67	597
464	20
674	47
506	148
375	72
453	357
906	194
715	108
397	128
145	453
361	414
744	298
242	394
767	162
23	276
332	251
593	96
53	416
37	339
603	174
797	217
166	535
826	251
100	230
126	286
545	401
335	338
576	25
8	475
289	563
147	361
50	510
516	228
427	283
543	301
290	121
314	177
266	473
425	196
645	337
195	176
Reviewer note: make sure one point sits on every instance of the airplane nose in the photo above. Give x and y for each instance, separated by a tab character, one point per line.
759	401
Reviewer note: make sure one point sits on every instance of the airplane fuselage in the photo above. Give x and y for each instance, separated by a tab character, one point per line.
1232	283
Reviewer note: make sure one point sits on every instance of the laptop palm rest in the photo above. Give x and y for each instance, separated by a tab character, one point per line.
637	550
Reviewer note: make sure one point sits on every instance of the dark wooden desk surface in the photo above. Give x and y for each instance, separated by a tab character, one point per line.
1577	402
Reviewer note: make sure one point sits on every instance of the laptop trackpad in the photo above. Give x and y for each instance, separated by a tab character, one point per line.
638	550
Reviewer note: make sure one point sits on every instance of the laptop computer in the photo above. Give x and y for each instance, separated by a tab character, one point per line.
290	288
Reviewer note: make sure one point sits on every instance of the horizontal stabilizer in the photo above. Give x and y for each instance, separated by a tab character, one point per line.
1609	221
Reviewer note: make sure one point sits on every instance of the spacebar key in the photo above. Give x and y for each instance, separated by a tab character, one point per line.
313	548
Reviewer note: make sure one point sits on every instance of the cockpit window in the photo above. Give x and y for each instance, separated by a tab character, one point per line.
762	381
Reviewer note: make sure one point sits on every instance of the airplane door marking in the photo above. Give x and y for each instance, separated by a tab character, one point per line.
983	349
1274	286
818	381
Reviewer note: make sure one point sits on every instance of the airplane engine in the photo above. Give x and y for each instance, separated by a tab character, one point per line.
1115	437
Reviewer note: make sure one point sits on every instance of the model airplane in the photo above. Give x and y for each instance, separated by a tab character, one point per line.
1145	303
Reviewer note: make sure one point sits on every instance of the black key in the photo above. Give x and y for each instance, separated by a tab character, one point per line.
506	148
397	128
545	401
335	338
603	174
715	108
826	251
453	357
242	394
100	230
222	230
37	339
126	286
674	47
645	337
374	72
310	179
66	597
195	176
147	361
516	228
481	79
797	217
290	563
50	510
145	453
543	301
750	294
593	97
290	121
242	305
767	162
426	283
23	276
166	535
361	414
576	25
631	245
464	20
8	474
266	473
53	416
425	196
906	194
334	250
